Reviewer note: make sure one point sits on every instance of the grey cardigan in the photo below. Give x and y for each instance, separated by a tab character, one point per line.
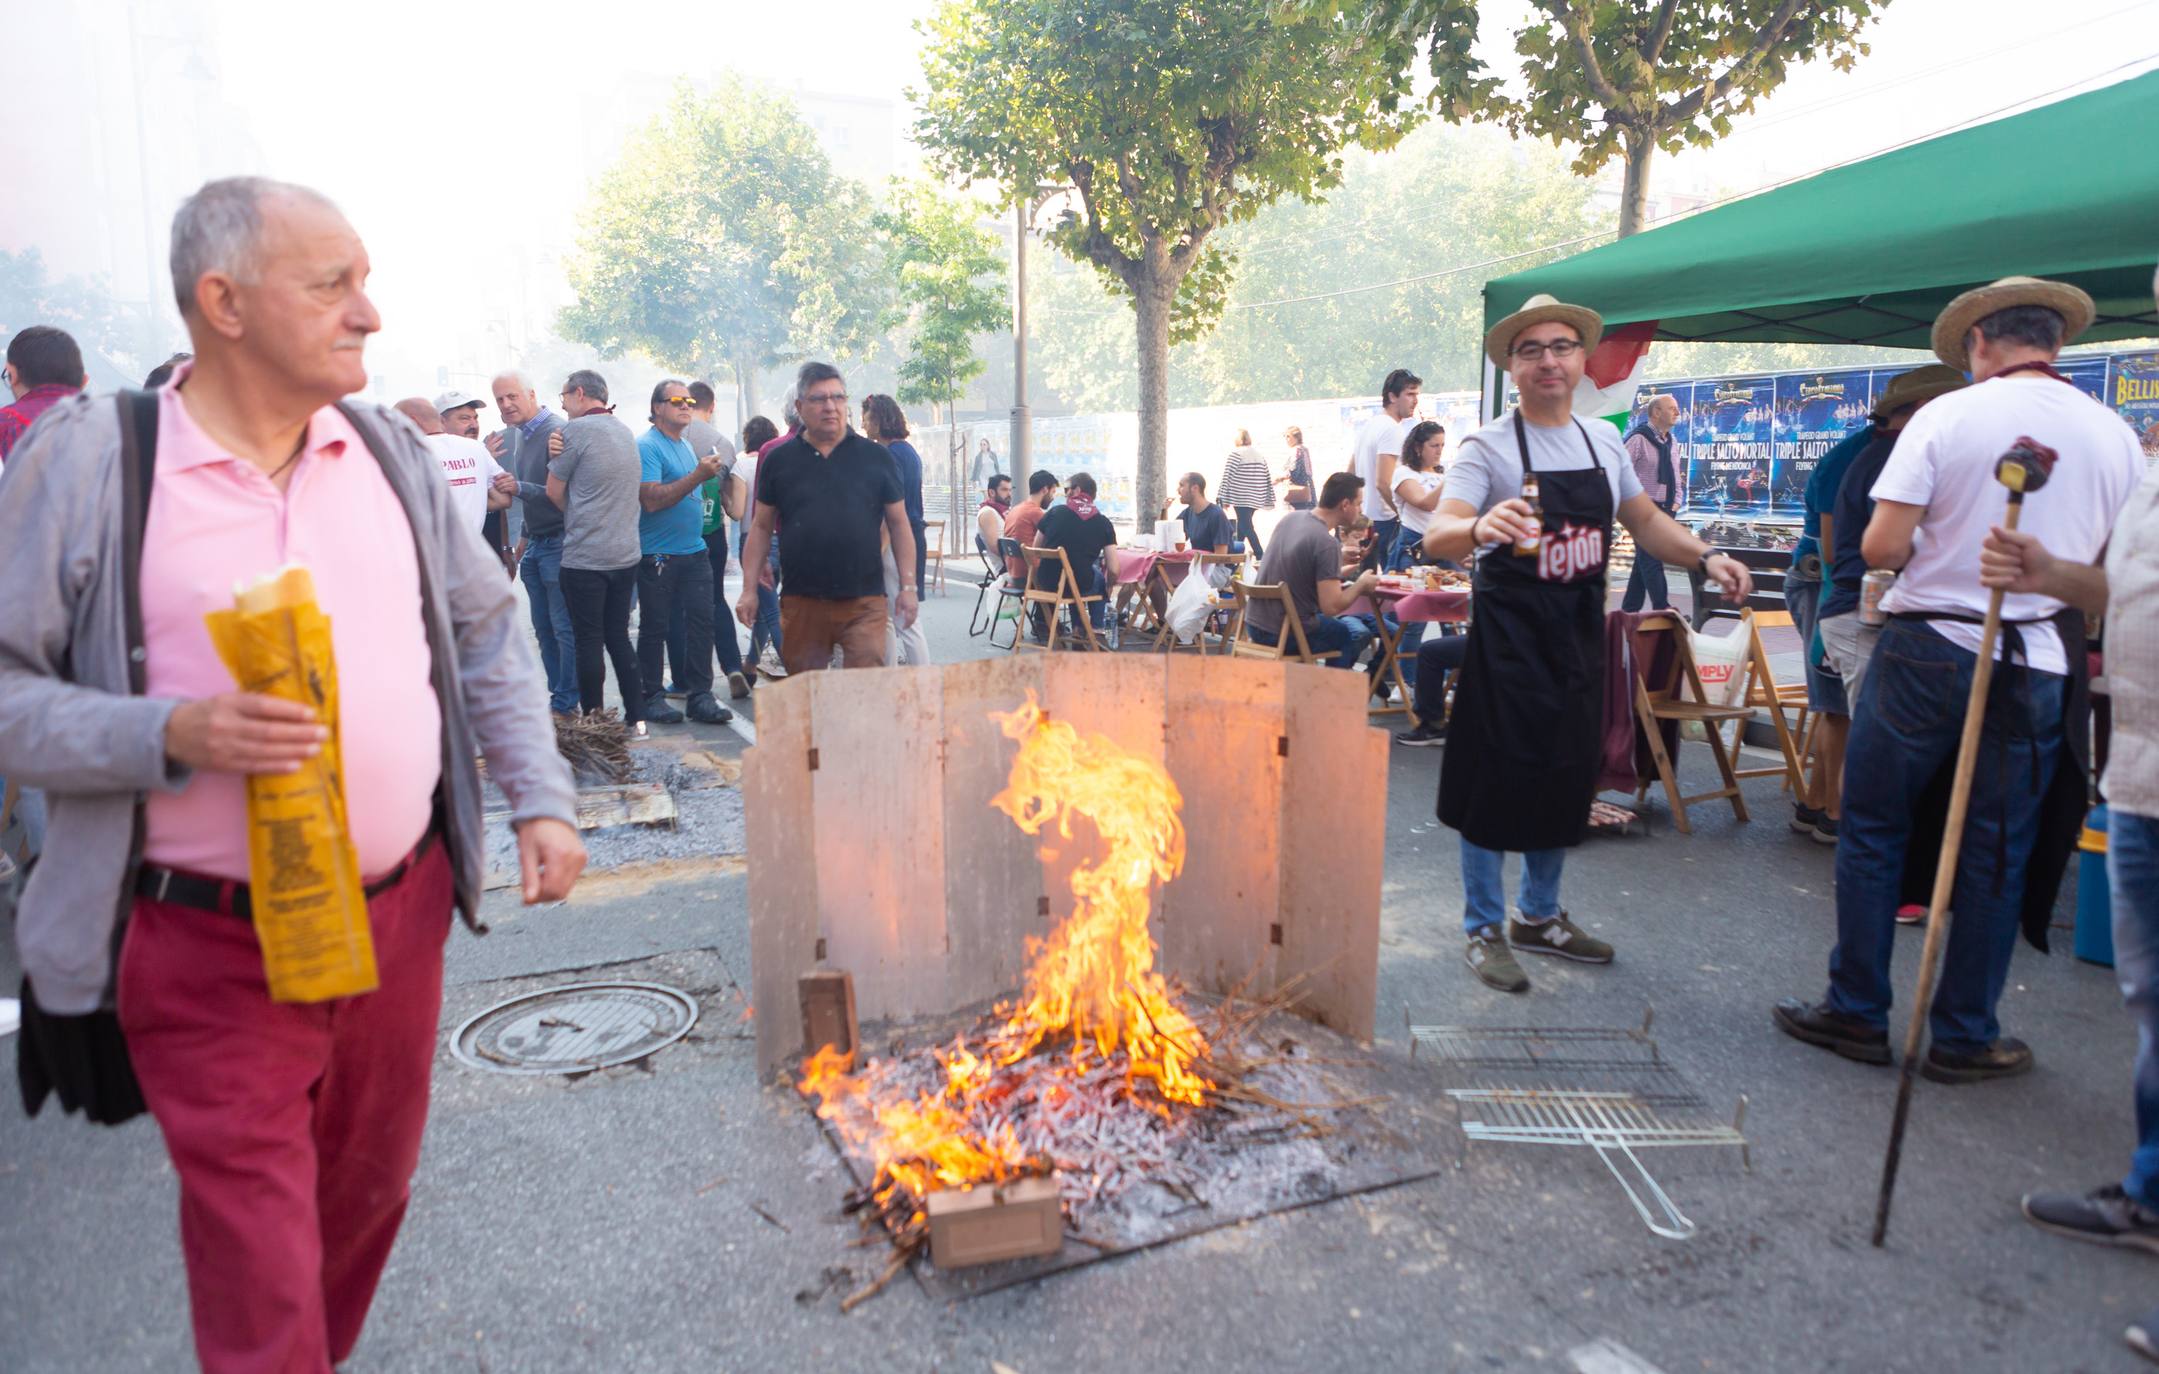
70	727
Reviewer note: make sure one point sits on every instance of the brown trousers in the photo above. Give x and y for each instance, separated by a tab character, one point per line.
811	628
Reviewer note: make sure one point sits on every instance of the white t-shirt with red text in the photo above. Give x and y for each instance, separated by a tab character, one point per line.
468	467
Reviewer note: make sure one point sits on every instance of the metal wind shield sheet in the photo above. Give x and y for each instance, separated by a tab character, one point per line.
1871	252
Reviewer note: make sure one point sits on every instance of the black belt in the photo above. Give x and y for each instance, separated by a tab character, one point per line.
229	898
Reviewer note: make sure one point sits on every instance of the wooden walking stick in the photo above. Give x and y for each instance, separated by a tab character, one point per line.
2023	469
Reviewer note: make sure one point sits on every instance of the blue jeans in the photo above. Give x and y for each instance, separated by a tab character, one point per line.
2133	880
1484	886
767	629
1906	725
1346	637
724	641
1647	579
542	575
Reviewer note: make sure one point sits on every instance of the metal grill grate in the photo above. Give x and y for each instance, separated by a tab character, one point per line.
1610	1090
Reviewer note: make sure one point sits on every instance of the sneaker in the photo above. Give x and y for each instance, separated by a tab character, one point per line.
738	685
706	711
1911	914
2005	1058
1818	1025
1806	819
640	731
2141	1337
1825	829
1559	936
1422	736
2107	1216
770	665
1489	958
658	712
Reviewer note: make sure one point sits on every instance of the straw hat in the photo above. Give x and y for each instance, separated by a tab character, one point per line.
1954	325
1918	385
1541	309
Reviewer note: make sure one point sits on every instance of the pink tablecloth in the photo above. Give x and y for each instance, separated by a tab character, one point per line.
1449	605
1133	565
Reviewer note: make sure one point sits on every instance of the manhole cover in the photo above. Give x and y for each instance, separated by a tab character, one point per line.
575	1028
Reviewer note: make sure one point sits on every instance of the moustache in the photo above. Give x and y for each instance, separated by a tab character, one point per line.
356	342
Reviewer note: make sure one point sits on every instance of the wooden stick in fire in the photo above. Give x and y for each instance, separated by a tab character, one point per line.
2024	469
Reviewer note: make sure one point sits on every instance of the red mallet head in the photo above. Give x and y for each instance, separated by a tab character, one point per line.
2026	466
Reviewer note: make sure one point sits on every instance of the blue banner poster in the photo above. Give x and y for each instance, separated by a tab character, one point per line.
2133	394
1814	414
2089	374
1729	433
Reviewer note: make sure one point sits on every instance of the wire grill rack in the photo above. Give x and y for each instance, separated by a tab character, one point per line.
1610	1090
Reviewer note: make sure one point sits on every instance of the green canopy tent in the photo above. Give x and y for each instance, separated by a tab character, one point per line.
1869	253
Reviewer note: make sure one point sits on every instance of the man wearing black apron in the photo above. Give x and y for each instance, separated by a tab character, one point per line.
1522	746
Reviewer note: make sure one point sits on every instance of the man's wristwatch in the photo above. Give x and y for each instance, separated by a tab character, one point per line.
1702	563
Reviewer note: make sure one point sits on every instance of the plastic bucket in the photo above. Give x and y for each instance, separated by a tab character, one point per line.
2095	907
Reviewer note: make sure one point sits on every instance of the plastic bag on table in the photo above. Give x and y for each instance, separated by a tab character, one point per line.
310	906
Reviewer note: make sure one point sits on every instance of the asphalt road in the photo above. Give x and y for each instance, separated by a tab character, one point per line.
609	1223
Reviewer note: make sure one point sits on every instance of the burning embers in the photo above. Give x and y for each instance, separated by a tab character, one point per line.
1094	1056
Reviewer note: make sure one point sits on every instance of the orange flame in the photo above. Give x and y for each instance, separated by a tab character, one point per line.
1093	980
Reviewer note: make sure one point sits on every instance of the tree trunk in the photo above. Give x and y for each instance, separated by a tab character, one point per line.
746	385
1152	305
1634	190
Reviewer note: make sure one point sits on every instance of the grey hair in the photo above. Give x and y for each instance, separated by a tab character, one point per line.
2034	325
516	375
219	229
790	412
589	382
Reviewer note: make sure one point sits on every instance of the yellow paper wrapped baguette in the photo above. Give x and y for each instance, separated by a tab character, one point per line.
310	905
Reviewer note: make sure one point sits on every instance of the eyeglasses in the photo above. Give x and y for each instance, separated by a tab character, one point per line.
1558	348
677	401
834	398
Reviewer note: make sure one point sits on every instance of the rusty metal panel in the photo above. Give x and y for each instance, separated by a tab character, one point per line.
782	839
1332	847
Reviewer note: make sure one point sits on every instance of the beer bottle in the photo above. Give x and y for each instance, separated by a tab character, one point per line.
1527	548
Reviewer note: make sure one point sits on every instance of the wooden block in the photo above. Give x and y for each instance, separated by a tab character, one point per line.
633	803
992	1222
783	880
877	804
828	1011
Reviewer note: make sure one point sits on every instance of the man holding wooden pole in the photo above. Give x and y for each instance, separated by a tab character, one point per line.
2024	772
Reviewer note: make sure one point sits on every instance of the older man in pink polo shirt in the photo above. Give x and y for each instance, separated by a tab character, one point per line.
294	1128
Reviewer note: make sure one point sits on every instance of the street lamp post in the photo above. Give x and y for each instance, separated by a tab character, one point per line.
1022	446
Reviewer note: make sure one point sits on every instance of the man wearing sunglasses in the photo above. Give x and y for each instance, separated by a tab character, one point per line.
676	569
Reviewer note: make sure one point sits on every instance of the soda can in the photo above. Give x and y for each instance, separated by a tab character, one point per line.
1872	588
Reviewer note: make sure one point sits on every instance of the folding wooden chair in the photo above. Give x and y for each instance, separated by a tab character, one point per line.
1220	621
933	550
999	599
1680	697
1765	693
1053	603
1241	643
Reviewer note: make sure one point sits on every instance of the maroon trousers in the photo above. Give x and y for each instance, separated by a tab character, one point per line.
294	1128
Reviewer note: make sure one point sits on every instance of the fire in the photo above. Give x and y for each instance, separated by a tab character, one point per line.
1091	989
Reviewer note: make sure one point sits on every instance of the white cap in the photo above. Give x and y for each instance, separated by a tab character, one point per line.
456	400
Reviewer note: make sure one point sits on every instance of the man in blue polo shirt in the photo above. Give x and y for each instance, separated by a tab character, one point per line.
675	567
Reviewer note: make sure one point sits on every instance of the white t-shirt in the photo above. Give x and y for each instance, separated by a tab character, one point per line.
1487	468
1380	434
1413	519
1945	462
469	468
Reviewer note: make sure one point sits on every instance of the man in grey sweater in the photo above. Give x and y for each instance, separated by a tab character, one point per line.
522	448
293	1126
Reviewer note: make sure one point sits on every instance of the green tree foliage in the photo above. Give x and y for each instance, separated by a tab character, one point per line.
722	238
1621	78
1439	207
1171	120
951	283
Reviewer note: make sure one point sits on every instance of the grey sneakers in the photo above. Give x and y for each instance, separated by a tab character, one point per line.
1490	959
1558	936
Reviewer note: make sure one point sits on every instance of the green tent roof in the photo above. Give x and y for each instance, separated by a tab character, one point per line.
1869	253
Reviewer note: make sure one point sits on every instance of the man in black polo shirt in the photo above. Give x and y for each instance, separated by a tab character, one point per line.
832	491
